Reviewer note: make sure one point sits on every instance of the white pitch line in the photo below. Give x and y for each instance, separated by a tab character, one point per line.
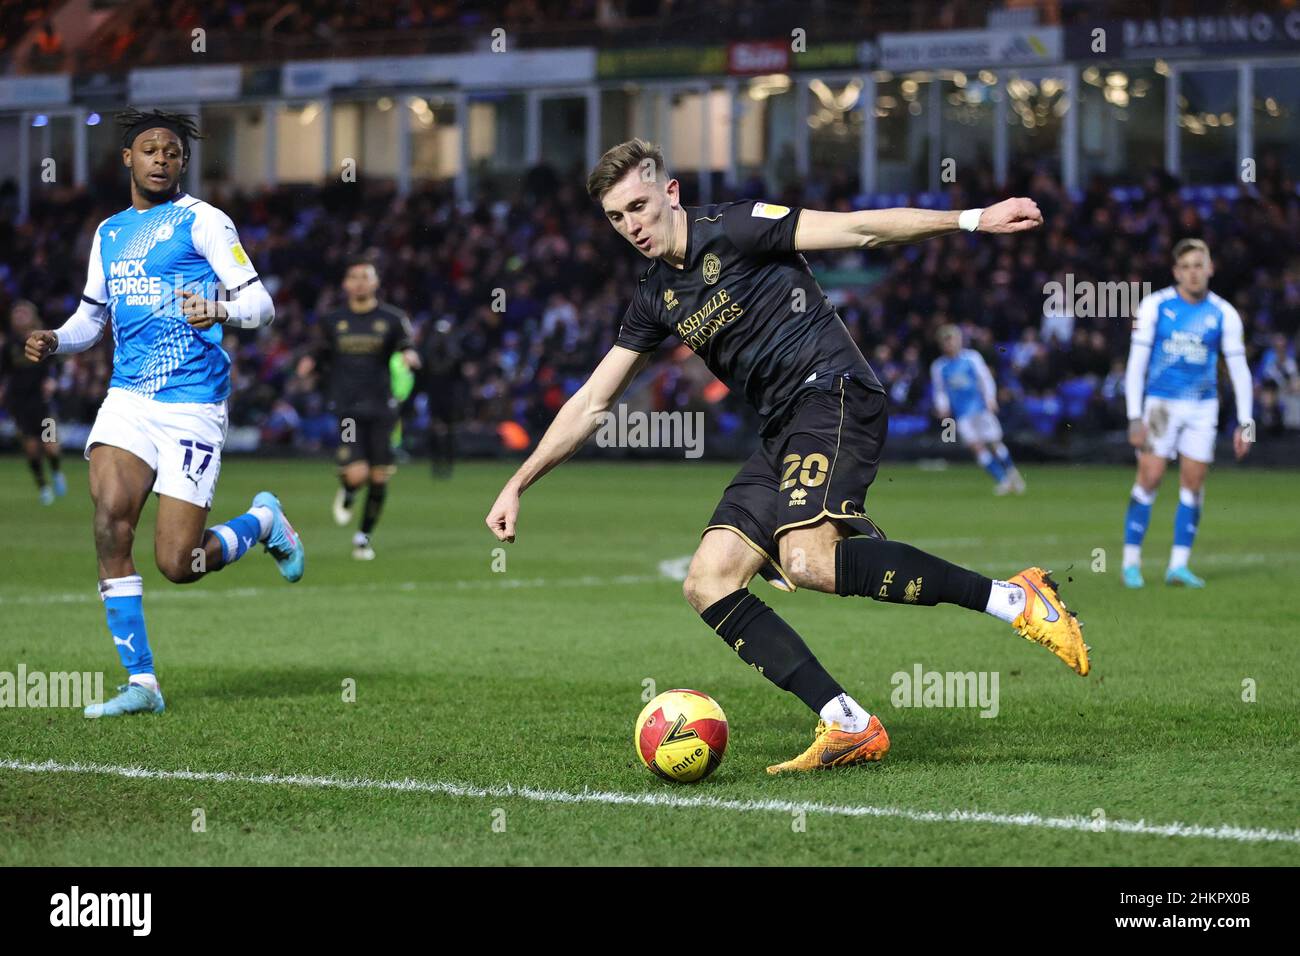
613	798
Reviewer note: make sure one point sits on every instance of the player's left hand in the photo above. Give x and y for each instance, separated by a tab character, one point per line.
199	312
1240	446
1011	215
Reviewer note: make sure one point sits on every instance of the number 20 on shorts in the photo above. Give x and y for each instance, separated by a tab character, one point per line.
813	473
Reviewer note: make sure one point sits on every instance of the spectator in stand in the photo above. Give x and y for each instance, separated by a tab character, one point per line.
47	48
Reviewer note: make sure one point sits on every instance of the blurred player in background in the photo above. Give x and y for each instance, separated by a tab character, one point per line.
1172	391
964	388
443	382
170	272
25	387
728	280
360	339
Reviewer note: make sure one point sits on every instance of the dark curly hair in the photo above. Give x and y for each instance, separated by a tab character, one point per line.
133	122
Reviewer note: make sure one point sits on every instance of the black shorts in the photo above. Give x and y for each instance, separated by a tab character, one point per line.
29	416
819	465
372	440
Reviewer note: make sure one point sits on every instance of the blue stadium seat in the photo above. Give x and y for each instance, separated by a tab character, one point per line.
906	426
1075	395
1044	413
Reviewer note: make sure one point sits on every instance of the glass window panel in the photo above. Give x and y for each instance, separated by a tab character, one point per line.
300	139
968	116
1207	120
1121	121
903	131
435	138
1277	122
1035	107
835	136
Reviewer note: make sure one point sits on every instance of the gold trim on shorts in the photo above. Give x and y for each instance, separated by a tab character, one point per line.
785	578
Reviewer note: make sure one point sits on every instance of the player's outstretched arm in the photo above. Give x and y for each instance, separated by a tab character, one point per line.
869	228
576	420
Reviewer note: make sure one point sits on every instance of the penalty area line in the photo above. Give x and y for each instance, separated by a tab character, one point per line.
672	801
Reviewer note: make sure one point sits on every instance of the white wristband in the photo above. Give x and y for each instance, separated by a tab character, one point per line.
969	219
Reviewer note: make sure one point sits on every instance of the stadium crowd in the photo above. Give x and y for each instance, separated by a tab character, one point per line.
142	34
514	301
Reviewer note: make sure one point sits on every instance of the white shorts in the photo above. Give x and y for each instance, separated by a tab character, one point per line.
180	441
1179	426
979	428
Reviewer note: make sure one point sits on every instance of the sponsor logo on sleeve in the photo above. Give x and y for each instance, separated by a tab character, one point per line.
767	210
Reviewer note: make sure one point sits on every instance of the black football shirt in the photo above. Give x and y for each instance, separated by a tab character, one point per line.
358	346
748	305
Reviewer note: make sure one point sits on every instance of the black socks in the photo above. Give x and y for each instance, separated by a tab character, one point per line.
901	574
374	504
764	641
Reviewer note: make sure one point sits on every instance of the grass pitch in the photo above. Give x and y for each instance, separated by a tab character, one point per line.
505	699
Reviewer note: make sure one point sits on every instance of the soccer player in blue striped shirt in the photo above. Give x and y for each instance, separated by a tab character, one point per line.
170	272
1171	388
963	387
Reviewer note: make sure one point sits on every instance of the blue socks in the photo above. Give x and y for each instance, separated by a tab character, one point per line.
239	534
1186	520
124	597
994	466
124	608
1004	458
1138	518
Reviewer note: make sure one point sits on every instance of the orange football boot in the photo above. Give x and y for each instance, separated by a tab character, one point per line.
1047	621
833	747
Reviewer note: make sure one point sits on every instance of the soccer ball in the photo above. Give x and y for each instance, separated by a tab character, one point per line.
681	735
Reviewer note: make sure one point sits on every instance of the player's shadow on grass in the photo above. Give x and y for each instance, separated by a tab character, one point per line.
921	742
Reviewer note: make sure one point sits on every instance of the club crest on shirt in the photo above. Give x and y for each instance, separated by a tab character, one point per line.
712	268
163	233
670	299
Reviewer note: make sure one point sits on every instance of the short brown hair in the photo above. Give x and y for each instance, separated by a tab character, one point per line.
357	260
614	165
1185	246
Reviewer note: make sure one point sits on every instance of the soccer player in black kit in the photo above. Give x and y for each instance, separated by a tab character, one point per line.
24	384
730	282
360	339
